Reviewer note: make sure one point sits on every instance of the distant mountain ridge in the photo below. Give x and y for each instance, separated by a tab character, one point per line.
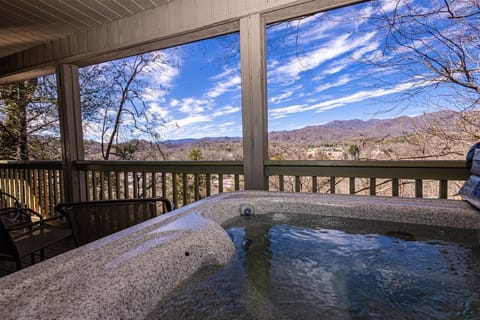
344	129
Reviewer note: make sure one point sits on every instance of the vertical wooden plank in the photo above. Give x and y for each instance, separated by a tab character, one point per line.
73	43
395	187
219	9
144	185
220	183
117	185
45	192
187	13
154	184
352	185
298	186
332	185
71	131
102	36
110	185
102	185
418	188
443	189
208	185
94	185
254	101
164	184
135	184
112	33
196	182
203	11
175	190
89	184
126	185
373	186
237	182
184	188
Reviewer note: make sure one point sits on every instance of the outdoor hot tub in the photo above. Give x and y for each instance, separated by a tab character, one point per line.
265	255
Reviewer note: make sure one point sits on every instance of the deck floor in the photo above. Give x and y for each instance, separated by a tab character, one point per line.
8	267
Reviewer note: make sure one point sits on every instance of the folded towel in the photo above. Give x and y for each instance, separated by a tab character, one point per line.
470	191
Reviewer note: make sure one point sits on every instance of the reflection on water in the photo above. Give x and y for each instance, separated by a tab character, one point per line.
305	267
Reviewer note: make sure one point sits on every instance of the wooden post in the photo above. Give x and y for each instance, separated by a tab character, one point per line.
71	131
254	101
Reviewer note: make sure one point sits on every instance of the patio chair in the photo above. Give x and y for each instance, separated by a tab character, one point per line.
92	220
7	200
20	236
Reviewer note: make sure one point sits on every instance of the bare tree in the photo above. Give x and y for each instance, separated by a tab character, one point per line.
437	45
113	101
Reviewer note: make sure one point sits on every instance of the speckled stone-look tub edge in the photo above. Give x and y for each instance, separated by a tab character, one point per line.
126	275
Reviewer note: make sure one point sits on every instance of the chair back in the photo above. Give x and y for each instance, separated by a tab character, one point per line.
92	220
8	218
7	200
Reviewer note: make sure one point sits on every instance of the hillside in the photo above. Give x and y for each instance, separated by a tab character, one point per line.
376	139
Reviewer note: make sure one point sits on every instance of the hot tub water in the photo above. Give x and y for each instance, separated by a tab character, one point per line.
300	266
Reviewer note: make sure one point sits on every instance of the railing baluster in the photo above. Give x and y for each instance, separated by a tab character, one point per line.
237	182
298	186
117	185
418	188
144	185
314	184
196	182
352	185
281	183
175	190
185	188
220	183
395	187
208	185
135	184
154	184
126	189
443	189
109	185
164	184
373	186
332	185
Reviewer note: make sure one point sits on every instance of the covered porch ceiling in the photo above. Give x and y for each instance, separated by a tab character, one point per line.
25	24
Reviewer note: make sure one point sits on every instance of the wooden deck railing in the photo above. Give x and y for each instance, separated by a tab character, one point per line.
427	179
39	184
181	181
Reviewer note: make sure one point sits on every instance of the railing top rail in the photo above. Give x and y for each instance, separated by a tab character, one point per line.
31	164
192	166
370	163
408	169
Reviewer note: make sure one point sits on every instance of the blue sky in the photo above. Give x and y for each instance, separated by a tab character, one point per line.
315	75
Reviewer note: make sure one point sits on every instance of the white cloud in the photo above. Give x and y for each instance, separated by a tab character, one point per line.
224	86
340	45
191	120
192	105
338	102
155	111
340	82
225	110
283	112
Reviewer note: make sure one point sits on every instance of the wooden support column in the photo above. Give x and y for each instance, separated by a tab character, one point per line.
71	131
254	101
